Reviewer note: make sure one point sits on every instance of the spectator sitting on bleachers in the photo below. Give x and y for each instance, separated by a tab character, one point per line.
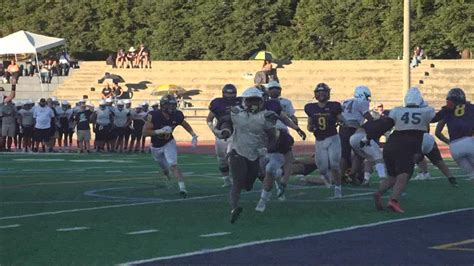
107	91
131	57
117	91
143	57
121	58
13	72
417	56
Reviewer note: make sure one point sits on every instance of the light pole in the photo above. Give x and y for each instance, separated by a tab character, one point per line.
406	46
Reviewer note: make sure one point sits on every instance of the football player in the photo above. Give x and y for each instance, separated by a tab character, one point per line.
122	121
128	130
254	131
322	119
287	110
365	144
138	119
404	144
355	111
458	115
159	125
219	109
430	149
102	119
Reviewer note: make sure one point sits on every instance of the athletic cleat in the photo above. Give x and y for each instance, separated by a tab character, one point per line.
394	205
366	183
281	188
183	194
261	205
234	214
378	201
227	183
452	181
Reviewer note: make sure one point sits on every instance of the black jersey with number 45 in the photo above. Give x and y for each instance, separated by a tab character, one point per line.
323	119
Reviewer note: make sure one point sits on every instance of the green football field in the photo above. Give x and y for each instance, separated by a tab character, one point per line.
103	209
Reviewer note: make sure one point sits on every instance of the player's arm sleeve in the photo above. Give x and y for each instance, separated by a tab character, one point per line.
439	116
148	127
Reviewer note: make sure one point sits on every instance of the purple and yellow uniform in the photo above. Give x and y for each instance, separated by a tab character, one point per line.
220	107
460	120
159	121
324	119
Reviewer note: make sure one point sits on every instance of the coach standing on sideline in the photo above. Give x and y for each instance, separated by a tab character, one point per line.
43	115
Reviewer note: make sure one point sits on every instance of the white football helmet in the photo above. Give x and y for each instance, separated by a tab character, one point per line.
413	97
362	92
253	99
252	93
127	101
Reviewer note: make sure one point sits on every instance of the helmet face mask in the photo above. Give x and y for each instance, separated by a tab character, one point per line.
253	104
274	92
322	92
168	104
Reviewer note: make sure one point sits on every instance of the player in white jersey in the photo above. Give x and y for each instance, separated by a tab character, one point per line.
252	132
355	111
102	119
429	148
122	121
274	91
403	146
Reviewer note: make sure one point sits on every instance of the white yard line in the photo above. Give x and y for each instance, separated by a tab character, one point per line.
71	229
291	237
9	226
216	234
142	232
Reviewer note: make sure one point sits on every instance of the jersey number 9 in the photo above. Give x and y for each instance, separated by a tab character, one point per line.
322	123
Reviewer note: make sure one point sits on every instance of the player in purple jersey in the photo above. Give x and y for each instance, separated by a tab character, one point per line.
160	125
458	115
219	110
322	119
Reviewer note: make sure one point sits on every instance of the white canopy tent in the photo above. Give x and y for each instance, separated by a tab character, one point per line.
24	42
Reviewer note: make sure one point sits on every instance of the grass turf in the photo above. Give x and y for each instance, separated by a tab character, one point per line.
43	193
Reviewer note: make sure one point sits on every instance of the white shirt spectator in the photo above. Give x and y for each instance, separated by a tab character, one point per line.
43	116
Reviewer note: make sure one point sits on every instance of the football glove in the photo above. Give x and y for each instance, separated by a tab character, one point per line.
163	130
301	133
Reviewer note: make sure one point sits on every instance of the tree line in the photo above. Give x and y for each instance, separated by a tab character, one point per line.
234	29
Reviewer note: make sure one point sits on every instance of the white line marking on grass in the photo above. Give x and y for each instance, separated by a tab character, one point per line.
293	237
108	207
113	171
71	229
9	226
102	161
39	160
142	232
216	234
77	182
